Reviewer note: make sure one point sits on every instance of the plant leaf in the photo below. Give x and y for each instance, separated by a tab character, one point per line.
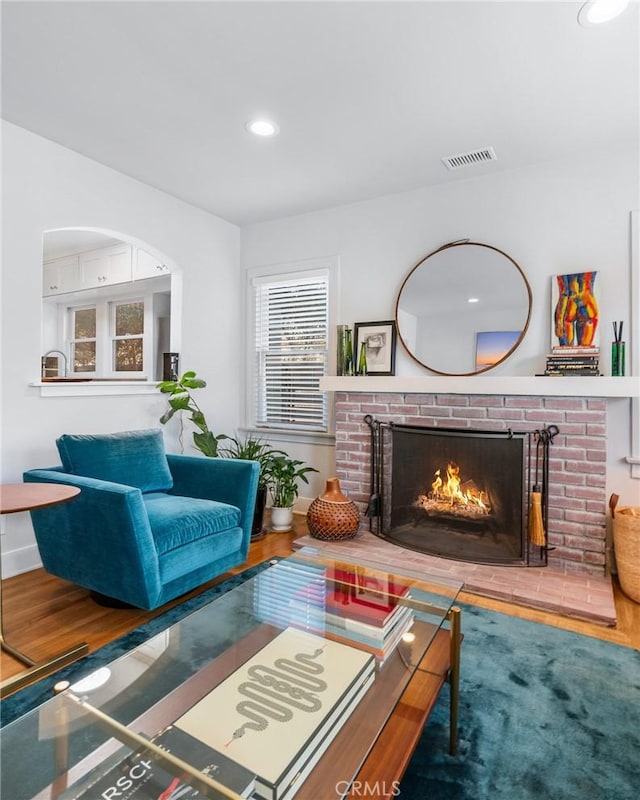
167	386
179	402
197	417
167	415
206	443
194	383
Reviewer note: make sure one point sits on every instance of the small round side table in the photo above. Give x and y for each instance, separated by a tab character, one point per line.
16	497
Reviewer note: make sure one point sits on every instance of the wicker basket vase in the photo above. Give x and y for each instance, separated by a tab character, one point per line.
332	515
626	544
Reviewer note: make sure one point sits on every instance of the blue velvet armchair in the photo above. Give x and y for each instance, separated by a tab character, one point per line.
147	526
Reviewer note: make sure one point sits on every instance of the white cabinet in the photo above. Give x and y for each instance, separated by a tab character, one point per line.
61	275
147	266
93	269
105	267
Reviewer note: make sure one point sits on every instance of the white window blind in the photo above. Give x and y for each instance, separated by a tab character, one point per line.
291	351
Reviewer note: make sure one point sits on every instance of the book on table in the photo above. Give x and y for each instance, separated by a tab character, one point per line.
277	713
381	650
140	777
364	631
277	588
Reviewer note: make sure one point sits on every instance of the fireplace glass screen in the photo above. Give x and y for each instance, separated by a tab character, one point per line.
457	494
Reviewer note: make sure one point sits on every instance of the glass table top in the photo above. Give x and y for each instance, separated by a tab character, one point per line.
371	626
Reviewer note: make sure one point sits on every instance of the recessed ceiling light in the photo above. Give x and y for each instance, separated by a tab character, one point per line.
473	300
262	127
595	12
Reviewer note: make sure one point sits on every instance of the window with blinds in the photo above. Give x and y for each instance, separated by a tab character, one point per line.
291	351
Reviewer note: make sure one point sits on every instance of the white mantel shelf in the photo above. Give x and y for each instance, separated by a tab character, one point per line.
483	385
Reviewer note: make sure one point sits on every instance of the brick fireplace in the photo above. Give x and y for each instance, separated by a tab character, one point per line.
577	466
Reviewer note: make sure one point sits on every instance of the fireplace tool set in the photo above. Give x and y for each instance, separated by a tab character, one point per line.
538	512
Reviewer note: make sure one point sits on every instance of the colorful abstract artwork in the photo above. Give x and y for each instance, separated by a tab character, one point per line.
575	310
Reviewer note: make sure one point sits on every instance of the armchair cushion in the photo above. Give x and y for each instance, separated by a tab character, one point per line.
176	521
133	458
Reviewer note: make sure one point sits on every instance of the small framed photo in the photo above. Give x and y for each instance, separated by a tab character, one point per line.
492	347
380	346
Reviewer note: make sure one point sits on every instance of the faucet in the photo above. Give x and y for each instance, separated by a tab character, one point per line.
64	363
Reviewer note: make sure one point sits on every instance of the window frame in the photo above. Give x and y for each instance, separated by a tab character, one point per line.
73	340
145	336
286	272
105	335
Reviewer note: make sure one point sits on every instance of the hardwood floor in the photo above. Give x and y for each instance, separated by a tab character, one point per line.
44	615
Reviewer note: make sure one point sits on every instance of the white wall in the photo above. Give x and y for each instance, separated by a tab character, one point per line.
552	218
46	186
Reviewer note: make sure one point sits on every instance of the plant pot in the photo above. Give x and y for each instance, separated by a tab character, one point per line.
333	515
281	519
257	529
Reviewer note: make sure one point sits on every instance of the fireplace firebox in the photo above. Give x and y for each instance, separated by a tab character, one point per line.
457	493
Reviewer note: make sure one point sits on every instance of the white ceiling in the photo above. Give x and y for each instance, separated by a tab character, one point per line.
368	95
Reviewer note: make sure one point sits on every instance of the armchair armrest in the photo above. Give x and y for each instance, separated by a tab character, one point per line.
227	480
105	518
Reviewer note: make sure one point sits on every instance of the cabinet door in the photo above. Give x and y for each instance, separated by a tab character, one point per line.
147	266
105	267
60	276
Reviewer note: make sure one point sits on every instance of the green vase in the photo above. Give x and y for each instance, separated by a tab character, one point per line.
347	353
340	350
362	359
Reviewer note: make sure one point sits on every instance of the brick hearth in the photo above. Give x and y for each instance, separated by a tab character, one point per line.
574	583
585	597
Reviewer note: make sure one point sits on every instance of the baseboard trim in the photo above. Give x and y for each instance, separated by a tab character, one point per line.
24	559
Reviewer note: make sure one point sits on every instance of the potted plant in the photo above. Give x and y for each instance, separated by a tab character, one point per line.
283	476
181	401
254	450
278	472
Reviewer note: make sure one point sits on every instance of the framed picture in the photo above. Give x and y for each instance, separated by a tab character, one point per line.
380	346
493	346
575	309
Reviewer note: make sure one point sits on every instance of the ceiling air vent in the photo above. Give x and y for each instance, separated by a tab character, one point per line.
468	159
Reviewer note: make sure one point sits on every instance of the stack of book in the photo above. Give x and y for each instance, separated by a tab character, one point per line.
345	604
367	612
259	732
568	360
278	712
291	593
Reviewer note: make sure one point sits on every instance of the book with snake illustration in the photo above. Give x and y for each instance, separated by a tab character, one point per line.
279	711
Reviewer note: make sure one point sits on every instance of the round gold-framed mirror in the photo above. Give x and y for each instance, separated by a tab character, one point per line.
463	309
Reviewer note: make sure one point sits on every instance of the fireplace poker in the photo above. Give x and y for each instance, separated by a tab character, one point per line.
379	474
536	522
373	506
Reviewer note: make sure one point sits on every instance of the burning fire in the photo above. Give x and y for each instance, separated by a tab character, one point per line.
449	494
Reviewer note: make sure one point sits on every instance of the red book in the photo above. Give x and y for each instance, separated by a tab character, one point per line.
357	594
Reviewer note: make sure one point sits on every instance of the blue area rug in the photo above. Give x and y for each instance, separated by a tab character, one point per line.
545	714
